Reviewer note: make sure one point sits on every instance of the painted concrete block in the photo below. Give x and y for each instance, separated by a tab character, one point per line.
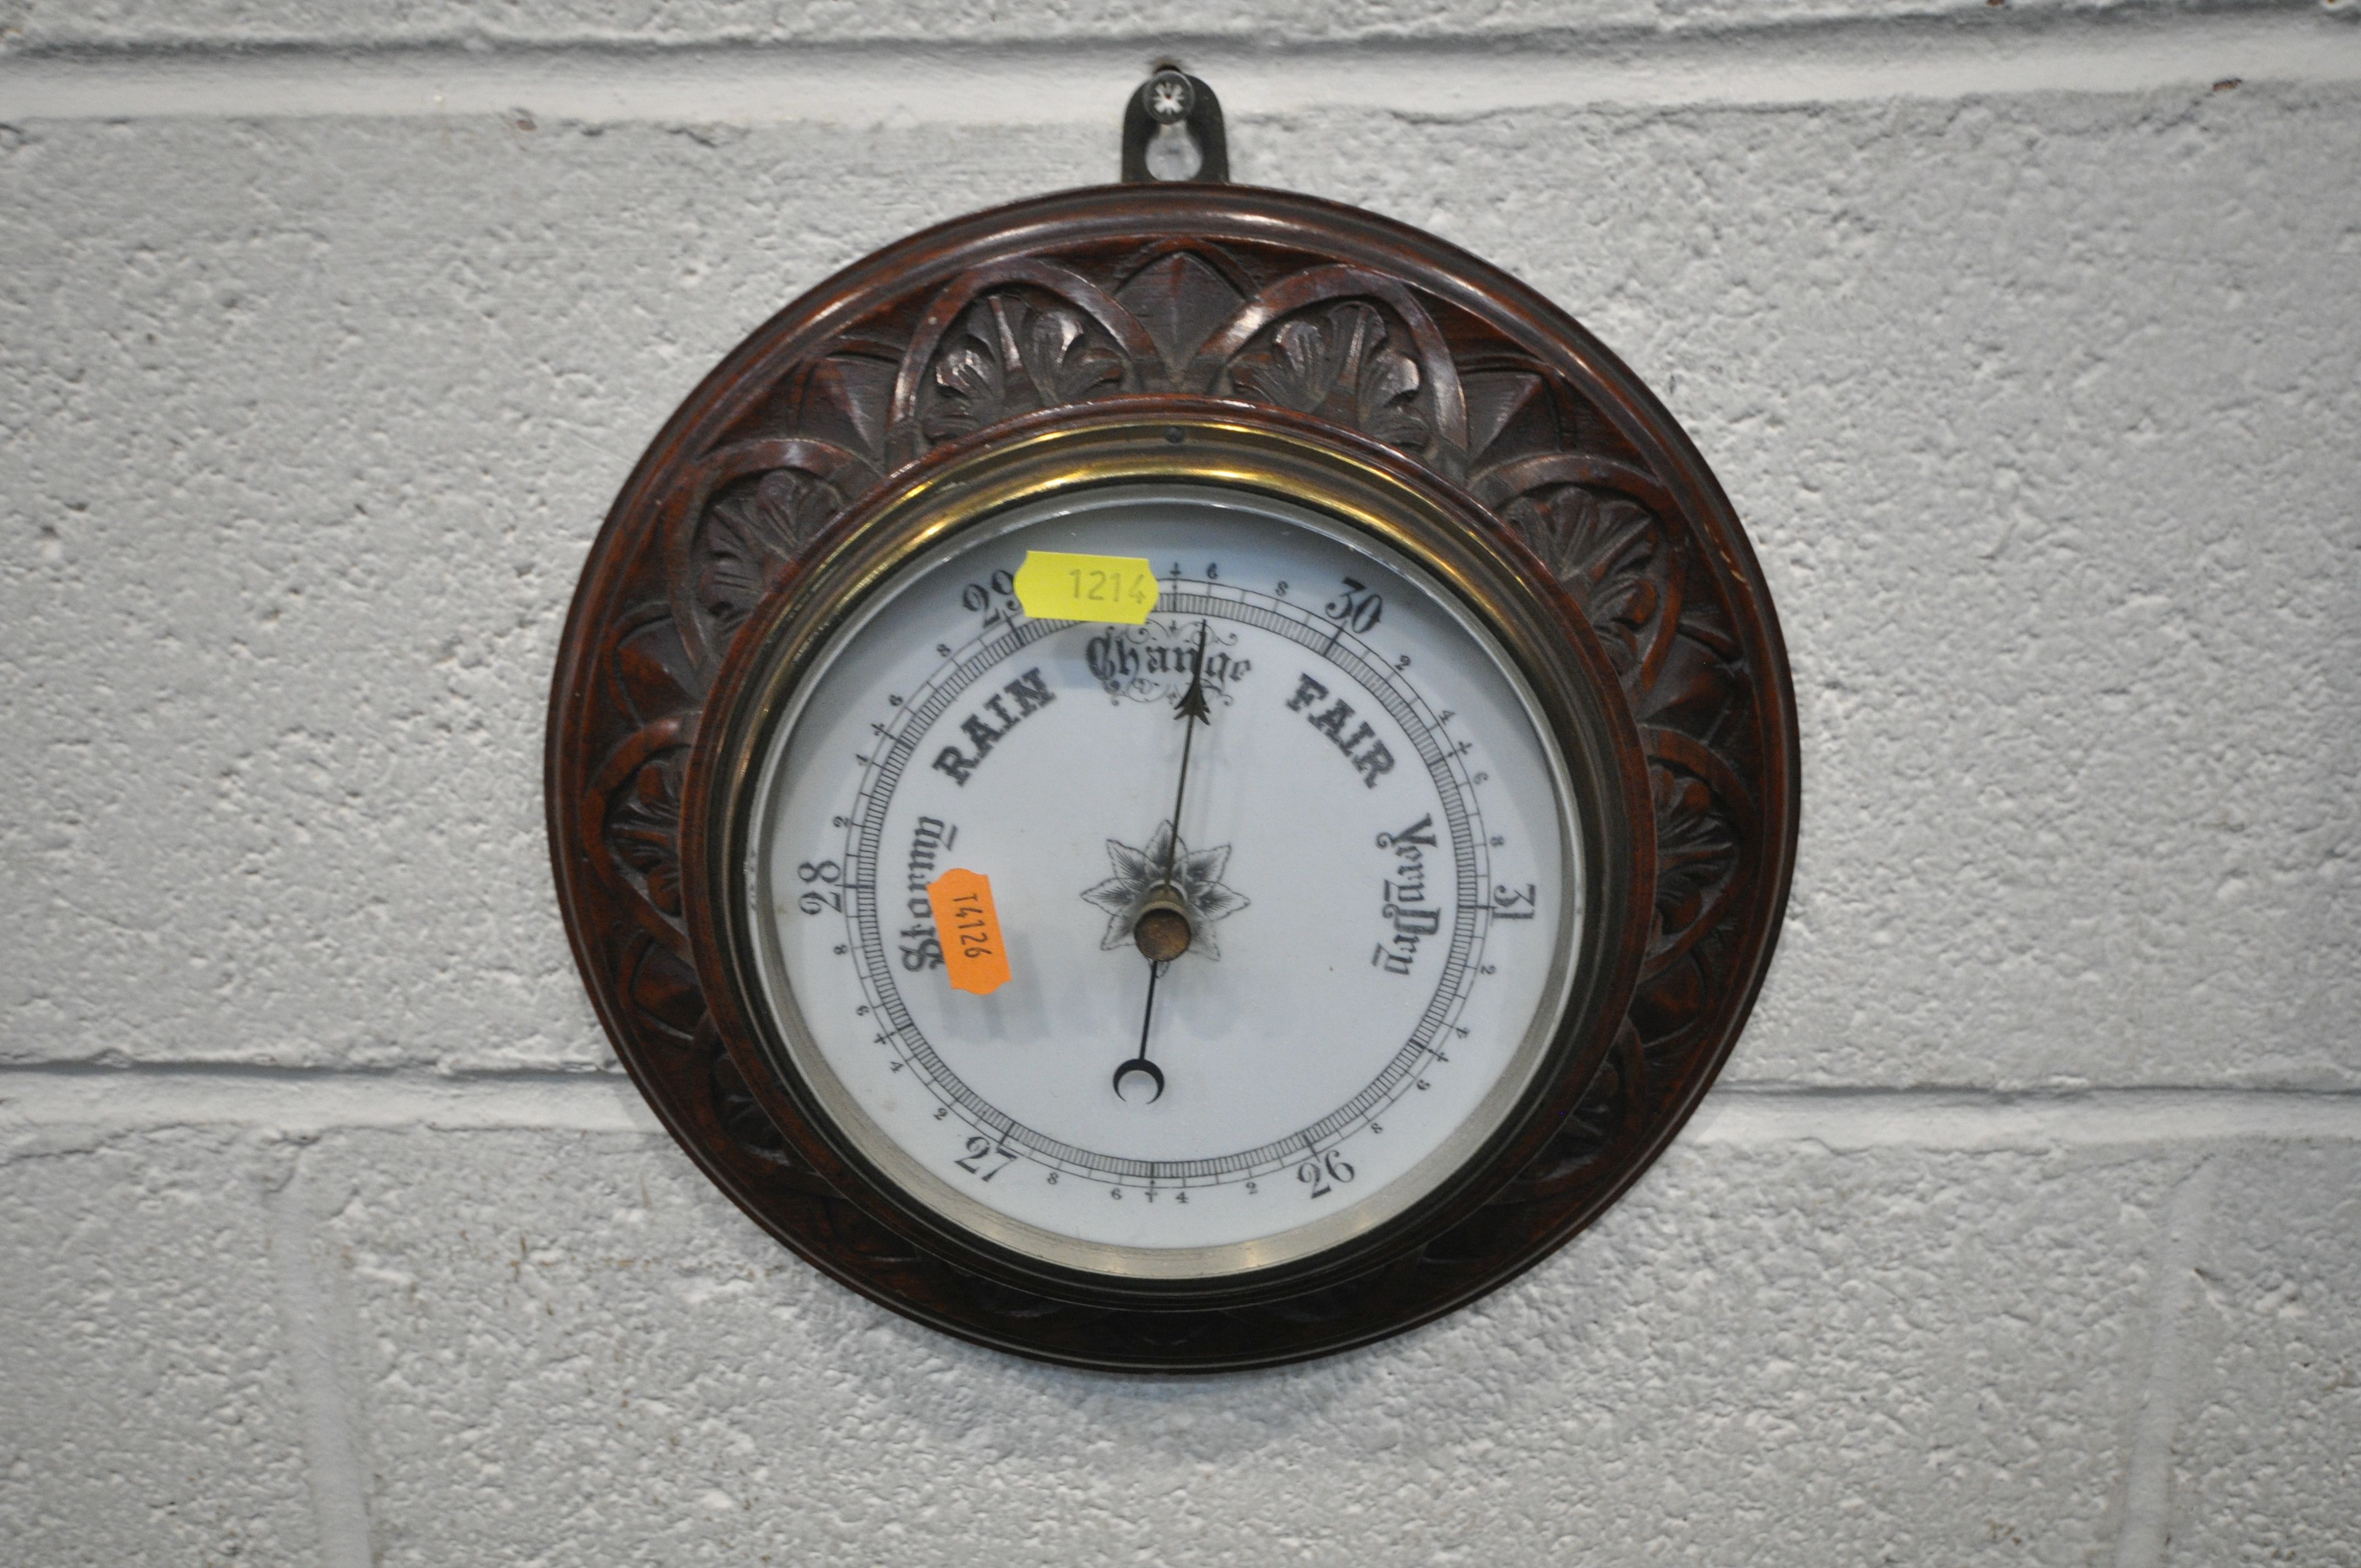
2049	477
147	1408
2266	1452
34	25
576	1351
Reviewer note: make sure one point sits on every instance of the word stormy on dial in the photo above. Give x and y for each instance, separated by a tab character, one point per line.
1028	691
1404	901
931	837
1371	760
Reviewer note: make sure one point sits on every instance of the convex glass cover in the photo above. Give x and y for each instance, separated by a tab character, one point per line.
1309	766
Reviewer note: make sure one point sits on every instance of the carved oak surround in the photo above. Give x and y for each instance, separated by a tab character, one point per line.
1152	293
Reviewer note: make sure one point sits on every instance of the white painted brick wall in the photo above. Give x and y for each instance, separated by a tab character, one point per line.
2027	1225
43	24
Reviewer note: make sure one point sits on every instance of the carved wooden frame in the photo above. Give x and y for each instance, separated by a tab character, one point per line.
1246	300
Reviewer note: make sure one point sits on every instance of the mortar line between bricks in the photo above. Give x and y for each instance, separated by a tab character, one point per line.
2148	1471
331	1456
1734	1115
1081	81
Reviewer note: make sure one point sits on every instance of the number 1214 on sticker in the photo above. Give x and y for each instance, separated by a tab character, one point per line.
1054	585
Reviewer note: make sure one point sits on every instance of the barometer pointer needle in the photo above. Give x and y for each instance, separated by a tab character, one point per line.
1164	924
1140	1063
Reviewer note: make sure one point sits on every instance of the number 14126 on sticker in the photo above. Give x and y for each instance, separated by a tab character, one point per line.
974	956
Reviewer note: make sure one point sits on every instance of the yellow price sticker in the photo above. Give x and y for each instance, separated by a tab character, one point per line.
1054	585
974	952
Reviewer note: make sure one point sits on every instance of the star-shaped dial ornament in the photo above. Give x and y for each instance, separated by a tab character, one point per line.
1139	882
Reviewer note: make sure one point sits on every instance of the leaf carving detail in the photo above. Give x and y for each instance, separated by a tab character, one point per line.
1009	358
1697	851
643	828
1606	552
1346	358
753	532
742	1116
1613	556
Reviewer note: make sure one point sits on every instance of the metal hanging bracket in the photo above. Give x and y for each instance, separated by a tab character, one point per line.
1172	97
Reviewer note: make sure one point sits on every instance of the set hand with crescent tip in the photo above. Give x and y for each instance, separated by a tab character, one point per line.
1162	932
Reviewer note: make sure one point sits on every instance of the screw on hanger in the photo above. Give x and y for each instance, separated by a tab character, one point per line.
1171	110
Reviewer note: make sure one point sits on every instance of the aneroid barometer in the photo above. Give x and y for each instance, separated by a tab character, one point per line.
1172	776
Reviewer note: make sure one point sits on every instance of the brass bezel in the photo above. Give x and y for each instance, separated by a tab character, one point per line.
1446	539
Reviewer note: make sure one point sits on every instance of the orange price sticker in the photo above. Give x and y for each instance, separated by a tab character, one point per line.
973	954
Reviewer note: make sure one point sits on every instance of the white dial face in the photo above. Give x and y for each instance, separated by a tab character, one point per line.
1374	867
